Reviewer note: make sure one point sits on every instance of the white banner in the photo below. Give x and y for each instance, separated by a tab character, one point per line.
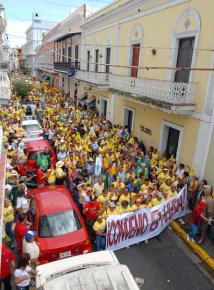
98	165
136	226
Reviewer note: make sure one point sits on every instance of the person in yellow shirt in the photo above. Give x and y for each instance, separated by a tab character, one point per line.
157	199
51	175
166	185
145	185
124	207
99	228
147	201
103	199
8	214
137	204
125	195
111	210
163	176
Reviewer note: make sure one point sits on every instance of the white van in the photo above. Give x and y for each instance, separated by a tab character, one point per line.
99	270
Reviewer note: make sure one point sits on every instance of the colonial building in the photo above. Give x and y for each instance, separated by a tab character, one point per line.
34	35
133	55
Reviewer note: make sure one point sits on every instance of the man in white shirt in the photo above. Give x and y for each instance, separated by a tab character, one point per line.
31	247
98	187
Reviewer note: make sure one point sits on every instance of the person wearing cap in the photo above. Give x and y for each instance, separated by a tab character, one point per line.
31	247
60	174
162	177
111	209
90	210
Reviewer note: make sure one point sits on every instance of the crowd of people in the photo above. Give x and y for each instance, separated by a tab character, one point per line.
129	178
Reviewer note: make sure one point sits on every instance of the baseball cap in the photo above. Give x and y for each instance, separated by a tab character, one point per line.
112	204
29	235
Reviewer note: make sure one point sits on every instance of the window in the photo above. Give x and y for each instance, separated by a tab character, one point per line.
58	224
76	56
30	128
88	60
108	59
96	59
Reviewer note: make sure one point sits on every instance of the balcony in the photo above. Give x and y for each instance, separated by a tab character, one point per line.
97	79
5	90
64	67
173	97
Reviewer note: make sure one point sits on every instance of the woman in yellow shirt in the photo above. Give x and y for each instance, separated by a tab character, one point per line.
51	175
111	210
124	207
99	228
137	204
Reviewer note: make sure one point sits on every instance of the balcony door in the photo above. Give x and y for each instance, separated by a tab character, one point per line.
96	59
88	60
184	58
108	59
76	56
135	59
69	54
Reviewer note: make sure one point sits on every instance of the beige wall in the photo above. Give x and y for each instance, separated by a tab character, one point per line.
210	163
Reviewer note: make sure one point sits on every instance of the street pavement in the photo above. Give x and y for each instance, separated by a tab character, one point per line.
168	264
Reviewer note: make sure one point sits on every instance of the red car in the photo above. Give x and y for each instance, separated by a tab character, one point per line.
60	228
34	149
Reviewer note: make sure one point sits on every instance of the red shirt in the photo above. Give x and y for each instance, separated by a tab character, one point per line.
195	217
20	231
90	209
22	170
6	257
40	177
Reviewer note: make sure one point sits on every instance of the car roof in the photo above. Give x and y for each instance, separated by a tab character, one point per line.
37	145
52	199
30	122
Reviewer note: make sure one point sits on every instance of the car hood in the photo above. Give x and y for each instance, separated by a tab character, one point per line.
54	243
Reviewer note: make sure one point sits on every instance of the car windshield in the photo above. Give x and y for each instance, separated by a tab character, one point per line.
58	224
36	154
32	127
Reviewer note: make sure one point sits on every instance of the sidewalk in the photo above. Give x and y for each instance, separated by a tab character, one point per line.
208	244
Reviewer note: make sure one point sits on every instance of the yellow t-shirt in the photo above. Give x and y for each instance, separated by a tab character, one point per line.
120	209
8	214
155	201
125	197
149	205
51	175
135	207
103	201
99	227
164	187
162	177
109	212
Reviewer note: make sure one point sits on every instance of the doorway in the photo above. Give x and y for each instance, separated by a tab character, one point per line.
108	60
103	107
135	59
171	138
128	118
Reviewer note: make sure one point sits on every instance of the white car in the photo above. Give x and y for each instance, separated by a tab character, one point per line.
33	129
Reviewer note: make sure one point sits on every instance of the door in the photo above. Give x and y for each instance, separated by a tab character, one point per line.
108	59
88	60
69	54
135	59
184	58
128	119
172	142
76	56
96	59
103	108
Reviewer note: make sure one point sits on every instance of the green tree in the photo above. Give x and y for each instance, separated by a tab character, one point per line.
22	89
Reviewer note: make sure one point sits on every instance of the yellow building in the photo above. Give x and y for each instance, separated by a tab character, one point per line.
129	52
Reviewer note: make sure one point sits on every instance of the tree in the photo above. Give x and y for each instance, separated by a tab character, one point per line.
22	89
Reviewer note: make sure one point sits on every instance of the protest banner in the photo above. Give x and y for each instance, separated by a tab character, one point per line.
136	226
98	166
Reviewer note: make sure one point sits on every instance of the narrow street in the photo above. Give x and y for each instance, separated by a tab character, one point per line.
167	265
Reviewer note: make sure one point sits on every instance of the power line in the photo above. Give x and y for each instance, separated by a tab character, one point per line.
123	46
71	6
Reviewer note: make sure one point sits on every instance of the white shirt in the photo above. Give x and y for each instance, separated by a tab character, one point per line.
22	203
31	248
98	189
20	273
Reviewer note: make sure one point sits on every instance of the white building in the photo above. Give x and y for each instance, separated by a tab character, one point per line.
5	90
34	35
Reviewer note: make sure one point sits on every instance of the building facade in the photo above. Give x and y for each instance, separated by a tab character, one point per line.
34	36
136	61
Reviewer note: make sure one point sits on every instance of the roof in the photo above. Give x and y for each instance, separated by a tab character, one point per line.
37	145
58	195
111	277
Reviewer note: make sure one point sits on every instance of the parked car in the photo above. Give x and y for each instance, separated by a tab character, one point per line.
99	270
33	129
60	228
34	150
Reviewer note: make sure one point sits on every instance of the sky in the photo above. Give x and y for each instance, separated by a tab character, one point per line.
19	14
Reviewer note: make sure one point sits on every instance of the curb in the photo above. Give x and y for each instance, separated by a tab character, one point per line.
201	252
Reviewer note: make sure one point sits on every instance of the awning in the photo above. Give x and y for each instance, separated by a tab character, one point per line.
91	101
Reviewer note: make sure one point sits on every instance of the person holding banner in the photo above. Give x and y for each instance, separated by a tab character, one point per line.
99	228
